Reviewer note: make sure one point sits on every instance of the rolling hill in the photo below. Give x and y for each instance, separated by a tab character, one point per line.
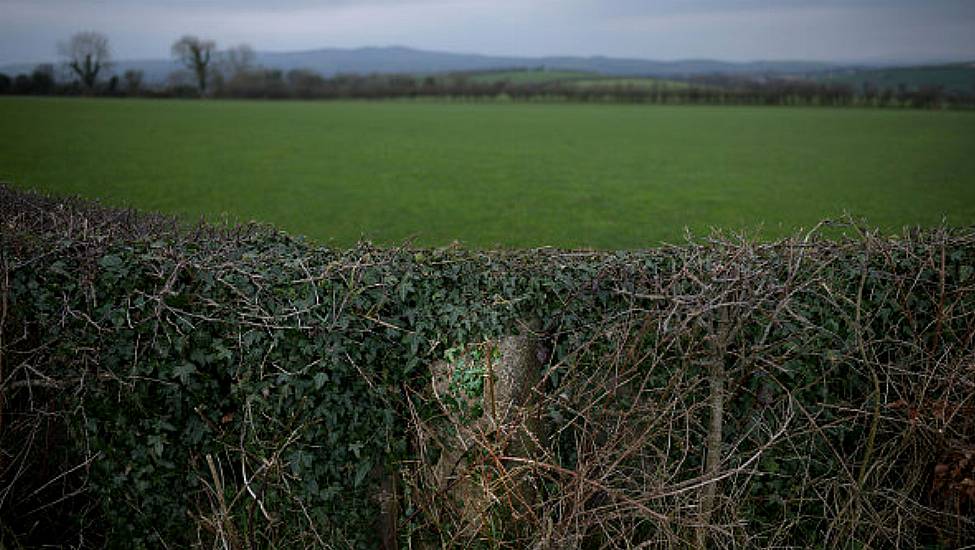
954	77
397	59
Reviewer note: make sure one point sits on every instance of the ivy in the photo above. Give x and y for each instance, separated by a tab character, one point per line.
288	365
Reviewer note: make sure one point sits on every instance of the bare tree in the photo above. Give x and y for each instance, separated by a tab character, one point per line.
238	60
87	54
133	81
195	54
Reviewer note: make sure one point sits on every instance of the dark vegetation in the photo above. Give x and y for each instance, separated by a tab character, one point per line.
234	386
232	73
954	77
303	84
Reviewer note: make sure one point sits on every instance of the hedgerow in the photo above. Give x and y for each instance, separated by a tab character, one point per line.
171	386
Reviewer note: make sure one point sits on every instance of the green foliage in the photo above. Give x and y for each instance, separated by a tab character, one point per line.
465	389
244	381
955	78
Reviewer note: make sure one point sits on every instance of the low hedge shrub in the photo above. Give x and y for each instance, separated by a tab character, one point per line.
171	386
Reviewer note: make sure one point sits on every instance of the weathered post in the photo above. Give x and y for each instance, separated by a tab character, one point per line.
503	423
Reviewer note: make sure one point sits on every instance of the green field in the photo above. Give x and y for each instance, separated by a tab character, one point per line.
528	76
956	78
631	82
486	174
574	78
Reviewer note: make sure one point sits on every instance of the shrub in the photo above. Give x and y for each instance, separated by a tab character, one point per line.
173	385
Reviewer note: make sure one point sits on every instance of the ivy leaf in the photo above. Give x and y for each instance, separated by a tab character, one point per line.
361	471
356	448
184	371
110	261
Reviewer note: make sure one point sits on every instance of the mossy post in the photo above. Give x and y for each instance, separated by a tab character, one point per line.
472	469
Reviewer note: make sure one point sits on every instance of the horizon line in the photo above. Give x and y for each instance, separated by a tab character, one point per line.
903	60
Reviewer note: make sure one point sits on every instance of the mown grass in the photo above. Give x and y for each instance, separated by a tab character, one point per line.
487	174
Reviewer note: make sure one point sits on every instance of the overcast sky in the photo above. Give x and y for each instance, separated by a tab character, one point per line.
828	30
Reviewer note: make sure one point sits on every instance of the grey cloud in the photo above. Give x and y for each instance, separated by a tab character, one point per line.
662	29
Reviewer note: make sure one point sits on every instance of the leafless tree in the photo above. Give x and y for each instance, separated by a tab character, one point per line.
195	54
86	54
238	60
133	81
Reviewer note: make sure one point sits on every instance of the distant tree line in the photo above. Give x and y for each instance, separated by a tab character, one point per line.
233	73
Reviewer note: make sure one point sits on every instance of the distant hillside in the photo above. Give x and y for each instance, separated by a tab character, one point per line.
581	79
954	77
407	60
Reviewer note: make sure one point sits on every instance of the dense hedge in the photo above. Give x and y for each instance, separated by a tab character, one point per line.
163	385
702	90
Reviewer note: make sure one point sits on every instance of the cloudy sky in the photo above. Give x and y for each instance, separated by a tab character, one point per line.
833	30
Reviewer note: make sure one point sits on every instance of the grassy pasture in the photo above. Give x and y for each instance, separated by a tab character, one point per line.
632	82
955	78
606	176
574	78
528	76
